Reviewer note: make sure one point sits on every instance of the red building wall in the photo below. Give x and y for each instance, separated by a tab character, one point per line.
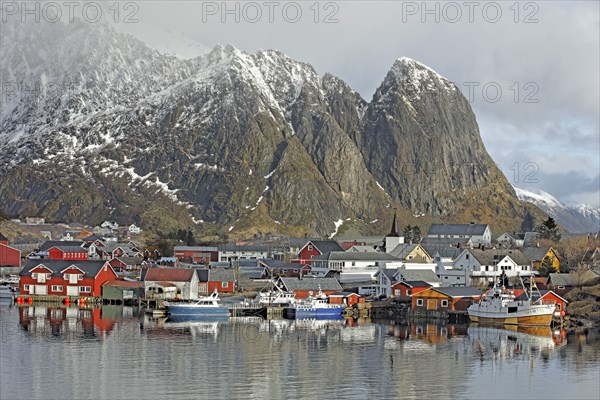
404	290
219	286
95	284
9	257
57	254
306	254
551	298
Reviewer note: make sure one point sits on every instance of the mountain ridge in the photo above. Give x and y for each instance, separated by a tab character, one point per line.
255	141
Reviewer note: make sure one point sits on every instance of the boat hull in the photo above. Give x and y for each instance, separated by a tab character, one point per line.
176	311
523	320
299	313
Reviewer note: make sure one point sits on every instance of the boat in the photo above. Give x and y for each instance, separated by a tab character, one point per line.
501	307
8	292
205	306
314	307
275	296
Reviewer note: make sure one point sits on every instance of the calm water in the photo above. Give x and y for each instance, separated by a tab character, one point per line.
112	353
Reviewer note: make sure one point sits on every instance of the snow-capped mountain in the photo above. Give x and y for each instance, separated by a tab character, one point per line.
579	218
101	126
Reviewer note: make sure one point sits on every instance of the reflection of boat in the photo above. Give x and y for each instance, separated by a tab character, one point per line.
501	307
275	296
206	306
314	307
512	342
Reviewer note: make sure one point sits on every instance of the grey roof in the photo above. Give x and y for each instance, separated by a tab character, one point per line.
277	264
69	248
314	284
445	241
402	250
425	275
237	263
221	275
515	235
530	237
326	246
344	294
493	256
195	248
51	243
131	260
387	272
301	242
251	272
3	238
416	283
572	279
444	251
202	274
92	238
91	268
459	291
535	253
356	256
457	229
362	249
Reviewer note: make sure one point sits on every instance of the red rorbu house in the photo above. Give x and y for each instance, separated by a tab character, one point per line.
221	280
408	288
549	297
127	264
347	298
9	257
455	298
65	277
316	248
67	252
196	254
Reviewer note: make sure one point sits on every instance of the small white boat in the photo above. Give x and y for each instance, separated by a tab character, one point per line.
275	296
501	307
206	306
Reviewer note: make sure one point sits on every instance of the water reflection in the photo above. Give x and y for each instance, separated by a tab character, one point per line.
85	321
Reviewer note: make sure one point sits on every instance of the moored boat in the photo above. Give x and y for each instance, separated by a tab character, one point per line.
275	296
206	306
501	307
314	307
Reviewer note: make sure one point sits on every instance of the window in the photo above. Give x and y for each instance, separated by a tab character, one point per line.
467	256
224	284
57	288
47	276
26	288
445	277
444	303
310	247
560	287
80	277
408	292
419	302
34	275
85	289
558	306
295	269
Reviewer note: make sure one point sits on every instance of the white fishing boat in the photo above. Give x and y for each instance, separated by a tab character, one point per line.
275	296
206	306
314	307
501	307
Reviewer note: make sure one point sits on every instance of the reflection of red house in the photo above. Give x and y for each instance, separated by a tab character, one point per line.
316	248
67	253
9	257
408	288
64	277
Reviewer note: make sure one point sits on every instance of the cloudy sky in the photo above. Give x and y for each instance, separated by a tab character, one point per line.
530	69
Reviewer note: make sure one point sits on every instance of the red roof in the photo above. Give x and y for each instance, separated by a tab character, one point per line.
169	274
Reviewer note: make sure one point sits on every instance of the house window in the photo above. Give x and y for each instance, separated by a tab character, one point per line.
444	303
47	276
310	247
57	288
467	256
560	287
85	289
34	275
409	292
296	270
224	285
80	277
419	302
558	306
445	277
26	288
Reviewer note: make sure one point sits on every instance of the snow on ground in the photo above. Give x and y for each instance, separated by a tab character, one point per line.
337	223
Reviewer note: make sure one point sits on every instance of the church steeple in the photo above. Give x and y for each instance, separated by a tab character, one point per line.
394	231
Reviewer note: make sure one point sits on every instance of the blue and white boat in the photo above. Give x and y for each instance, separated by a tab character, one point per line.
314	307
206	306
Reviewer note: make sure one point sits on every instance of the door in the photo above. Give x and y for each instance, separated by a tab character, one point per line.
431	304
73	278
72	290
41	289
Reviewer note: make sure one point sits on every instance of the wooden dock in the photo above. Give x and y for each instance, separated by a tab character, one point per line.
54	299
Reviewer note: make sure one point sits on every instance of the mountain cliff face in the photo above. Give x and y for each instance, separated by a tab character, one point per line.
103	127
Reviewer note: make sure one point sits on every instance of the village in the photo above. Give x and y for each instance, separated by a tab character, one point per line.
438	275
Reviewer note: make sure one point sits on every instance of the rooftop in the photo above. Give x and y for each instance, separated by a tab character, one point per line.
168	274
314	284
457	229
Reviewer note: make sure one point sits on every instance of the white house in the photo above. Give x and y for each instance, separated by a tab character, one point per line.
158	281
232	252
479	233
508	239
487	264
352	266
134	230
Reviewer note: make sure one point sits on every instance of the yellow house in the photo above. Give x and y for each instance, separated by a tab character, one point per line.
537	255
411	253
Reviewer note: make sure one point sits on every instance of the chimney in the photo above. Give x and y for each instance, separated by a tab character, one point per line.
472	223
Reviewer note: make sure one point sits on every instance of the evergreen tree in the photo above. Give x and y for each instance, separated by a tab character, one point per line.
549	230
416	234
408	234
546	267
